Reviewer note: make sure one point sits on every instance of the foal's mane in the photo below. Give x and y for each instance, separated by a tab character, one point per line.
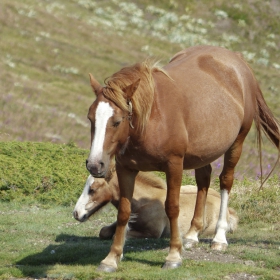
142	99
151	180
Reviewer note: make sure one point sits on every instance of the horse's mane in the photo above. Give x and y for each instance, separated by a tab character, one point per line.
142	99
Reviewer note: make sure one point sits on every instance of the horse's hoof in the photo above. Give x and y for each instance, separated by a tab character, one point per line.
217	246
189	243
171	265
106	268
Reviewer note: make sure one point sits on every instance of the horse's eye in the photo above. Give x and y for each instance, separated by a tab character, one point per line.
116	124
91	192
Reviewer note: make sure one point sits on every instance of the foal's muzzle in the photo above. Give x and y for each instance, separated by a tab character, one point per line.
97	170
78	218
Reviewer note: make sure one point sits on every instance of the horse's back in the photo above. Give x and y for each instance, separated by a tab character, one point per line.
226	68
215	70
221	54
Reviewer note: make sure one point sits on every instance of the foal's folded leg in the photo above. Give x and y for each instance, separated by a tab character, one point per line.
108	232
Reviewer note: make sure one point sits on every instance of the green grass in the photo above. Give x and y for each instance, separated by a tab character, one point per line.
45	172
38	242
39	237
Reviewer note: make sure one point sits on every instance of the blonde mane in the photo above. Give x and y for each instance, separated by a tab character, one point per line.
142	99
150	179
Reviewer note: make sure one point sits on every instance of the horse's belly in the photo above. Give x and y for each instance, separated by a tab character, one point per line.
203	150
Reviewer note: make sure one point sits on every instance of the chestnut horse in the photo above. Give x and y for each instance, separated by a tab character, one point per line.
148	218
199	106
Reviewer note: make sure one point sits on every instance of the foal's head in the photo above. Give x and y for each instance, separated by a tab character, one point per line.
95	195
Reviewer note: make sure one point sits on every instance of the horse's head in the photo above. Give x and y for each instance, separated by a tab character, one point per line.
95	195
109	127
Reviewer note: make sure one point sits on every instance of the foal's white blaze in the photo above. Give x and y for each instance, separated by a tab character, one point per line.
103	113
222	225
83	200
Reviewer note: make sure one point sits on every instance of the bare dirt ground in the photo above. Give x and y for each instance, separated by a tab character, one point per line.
205	254
202	254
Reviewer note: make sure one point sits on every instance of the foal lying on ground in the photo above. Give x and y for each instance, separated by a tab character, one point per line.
148	217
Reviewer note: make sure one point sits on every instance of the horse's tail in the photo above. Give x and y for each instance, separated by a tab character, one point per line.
266	121
233	220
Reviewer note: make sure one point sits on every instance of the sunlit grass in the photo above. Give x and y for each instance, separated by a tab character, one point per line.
46	242
40	238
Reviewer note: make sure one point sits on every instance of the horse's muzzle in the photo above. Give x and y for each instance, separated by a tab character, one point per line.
97	170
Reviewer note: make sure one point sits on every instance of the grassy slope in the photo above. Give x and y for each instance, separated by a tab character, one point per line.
49	47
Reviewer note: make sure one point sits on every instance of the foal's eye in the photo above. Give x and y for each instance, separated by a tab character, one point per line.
116	124
91	192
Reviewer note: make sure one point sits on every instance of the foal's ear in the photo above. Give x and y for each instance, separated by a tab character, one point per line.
99	183
95	85
129	90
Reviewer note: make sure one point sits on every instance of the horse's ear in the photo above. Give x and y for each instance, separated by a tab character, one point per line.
95	85
129	90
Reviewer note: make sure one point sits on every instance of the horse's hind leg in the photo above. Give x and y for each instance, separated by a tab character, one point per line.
174	180
226	180
202	176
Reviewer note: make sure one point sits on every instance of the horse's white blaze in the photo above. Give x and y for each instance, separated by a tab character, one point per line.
103	113
80	207
222	225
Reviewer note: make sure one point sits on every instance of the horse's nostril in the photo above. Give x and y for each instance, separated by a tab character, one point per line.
100	167
86	161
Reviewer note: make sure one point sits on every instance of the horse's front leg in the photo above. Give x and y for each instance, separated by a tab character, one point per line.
202	177
126	180
174	181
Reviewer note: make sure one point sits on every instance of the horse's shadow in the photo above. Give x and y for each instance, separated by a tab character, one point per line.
78	250
69	249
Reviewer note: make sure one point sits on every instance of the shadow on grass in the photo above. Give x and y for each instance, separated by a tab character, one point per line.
76	250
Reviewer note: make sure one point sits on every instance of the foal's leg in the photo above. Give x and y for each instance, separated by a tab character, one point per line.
226	180
108	232
202	177
174	181
126	180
